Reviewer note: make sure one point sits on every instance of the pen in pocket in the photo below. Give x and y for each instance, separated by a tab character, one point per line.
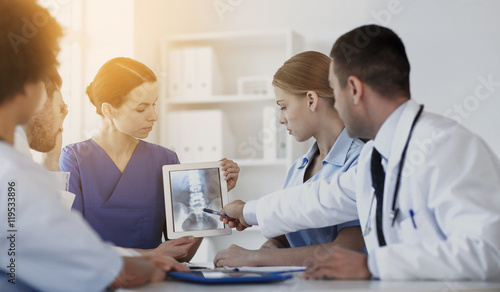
412	215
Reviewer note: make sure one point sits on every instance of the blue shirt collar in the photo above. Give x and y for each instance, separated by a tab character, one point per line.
337	154
385	135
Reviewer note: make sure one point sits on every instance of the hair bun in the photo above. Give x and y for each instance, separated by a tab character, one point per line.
89	91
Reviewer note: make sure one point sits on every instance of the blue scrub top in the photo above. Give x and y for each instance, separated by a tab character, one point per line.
127	209
343	155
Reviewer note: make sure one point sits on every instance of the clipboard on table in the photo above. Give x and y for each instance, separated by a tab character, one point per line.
221	277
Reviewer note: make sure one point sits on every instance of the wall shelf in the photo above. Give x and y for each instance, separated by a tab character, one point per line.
262	162
246	118
242	38
230	98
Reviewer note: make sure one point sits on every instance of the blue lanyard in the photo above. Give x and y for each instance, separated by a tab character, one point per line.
394	210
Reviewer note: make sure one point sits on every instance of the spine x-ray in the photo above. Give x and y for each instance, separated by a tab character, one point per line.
192	191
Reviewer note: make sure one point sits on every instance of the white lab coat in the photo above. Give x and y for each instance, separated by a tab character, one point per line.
54	249
451	180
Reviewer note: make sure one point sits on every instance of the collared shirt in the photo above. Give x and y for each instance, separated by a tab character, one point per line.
343	155
385	135
21	142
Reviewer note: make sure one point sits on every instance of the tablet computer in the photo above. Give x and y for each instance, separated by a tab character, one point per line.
218	277
189	188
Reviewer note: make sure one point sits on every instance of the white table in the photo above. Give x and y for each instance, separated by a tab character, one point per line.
299	284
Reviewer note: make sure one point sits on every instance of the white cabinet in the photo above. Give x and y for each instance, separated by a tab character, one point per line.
227	74
217	101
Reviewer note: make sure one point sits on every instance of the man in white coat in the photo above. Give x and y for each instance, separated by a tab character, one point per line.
426	190
43	245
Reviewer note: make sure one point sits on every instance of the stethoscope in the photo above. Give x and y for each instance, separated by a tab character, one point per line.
395	211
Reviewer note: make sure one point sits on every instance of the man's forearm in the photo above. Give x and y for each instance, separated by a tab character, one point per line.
297	256
348	237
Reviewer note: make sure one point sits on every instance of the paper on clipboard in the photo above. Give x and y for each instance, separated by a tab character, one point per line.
277	269
62	179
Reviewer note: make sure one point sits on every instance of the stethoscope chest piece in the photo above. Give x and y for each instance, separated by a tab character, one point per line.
393	215
368	229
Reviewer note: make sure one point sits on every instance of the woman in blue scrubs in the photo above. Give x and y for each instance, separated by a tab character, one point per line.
306	104
116	176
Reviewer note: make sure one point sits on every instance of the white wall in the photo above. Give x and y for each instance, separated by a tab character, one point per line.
109	34
450	44
95	31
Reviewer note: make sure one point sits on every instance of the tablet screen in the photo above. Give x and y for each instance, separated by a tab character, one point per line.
192	191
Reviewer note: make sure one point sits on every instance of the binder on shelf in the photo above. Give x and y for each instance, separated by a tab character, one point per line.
176	73
175	140
194	73
269	137
198	135
208	139
190	60
281	142
208	81
274	136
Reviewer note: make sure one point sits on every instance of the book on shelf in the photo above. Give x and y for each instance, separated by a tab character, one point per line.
175	73
273	135
198	135
194	73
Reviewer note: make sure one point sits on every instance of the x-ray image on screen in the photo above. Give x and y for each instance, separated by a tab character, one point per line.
192	191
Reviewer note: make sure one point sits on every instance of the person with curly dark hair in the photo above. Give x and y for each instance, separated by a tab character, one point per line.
40	238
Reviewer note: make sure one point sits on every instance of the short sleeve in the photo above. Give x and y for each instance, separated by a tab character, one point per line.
348	224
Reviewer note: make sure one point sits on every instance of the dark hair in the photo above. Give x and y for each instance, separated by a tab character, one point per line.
377	56
116	78
29	44
304	72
